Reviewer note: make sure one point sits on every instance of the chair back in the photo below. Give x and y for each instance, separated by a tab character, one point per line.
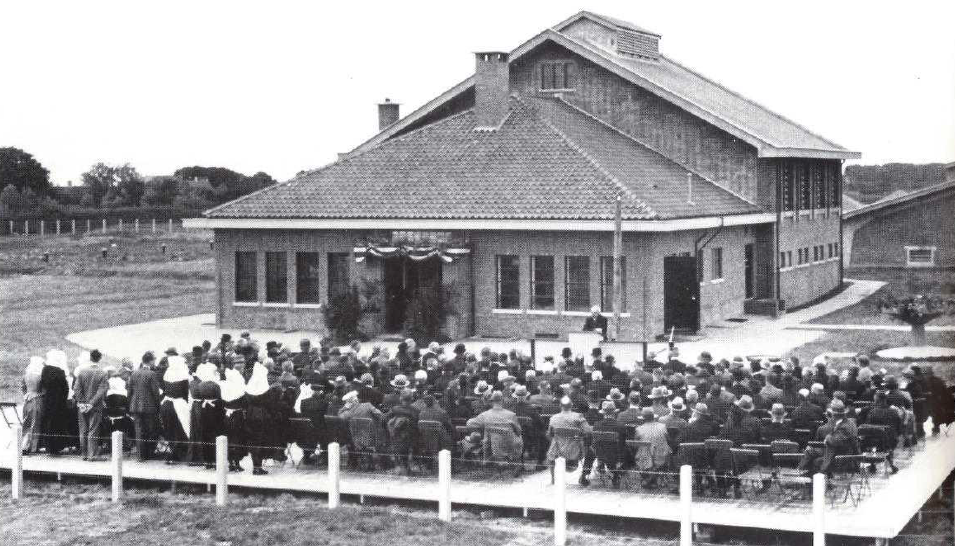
874	437
764	450
802	436
786	460
10	407
606	446
693	454
459	422
430	432
338	430
498	440
363	433
784	446
742	459
550	409
303	432
846	465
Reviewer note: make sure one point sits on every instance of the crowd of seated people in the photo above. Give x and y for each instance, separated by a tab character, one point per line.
395	411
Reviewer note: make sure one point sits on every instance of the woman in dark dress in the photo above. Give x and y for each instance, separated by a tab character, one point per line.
174	409
260	420
56	411
233	425
116	415
207	415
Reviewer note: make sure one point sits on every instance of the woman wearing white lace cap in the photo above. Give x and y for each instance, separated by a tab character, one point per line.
260	428
32	405
233	426
174	409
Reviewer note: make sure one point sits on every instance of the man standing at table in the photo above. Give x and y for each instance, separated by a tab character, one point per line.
596	322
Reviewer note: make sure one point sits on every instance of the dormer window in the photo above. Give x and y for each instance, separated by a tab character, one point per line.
556	76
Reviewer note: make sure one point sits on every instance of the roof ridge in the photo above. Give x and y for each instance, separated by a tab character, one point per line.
654	150
574	146
247	196
740	96
921	192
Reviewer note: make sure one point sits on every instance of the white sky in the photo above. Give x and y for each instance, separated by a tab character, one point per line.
283	86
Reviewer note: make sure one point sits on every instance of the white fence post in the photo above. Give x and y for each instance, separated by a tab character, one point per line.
11	227
16	472
104	225
222	470
26	227
73	226
686	505
136	225
87	226
42	228
444	485
117	465
170	225
57	226
560	501
154	225
818	509
120	224
334	465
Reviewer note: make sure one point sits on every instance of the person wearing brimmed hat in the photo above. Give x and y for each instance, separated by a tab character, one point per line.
578	396
545	394
569	443
398	383
305	356
653	458
633	413
353	408
367	391
659	396
777	428
705	362
596	322
941	405
510	445
402	425
840	436
700	425
881	414
483	390
741	427
806	415
611	454
674	364
676	419
617	397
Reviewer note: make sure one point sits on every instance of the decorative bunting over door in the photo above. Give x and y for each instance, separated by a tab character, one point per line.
415	253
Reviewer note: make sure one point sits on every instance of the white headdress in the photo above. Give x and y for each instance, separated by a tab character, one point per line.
233	387
207	372
35	366
259	382
116	386
56	357
177	370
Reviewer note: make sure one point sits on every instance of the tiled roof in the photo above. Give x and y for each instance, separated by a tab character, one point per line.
895	199
546	161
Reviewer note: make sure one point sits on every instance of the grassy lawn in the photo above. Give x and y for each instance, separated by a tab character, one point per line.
41	302
900	283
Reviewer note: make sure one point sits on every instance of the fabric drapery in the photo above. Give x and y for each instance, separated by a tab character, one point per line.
414	253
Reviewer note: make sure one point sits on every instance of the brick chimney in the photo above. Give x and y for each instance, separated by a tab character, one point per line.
387	114
491	88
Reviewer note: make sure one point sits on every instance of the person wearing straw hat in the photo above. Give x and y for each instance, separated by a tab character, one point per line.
402	425
617	397
56	417
483	392
398	383
676	419
659	397
700	425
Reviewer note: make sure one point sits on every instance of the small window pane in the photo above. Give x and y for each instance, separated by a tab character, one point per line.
508	282
307	275
577	283
276	277
805	185
245	277
716	271
788	186
542	282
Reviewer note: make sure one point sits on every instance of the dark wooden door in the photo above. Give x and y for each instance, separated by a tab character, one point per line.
403	279
681	293
748	269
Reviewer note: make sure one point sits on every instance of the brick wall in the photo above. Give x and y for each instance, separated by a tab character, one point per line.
927	222
649	119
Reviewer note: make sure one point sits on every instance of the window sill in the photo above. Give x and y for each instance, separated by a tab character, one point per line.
276	304
245	304
308	306
541	312
718	281
561	90
507	311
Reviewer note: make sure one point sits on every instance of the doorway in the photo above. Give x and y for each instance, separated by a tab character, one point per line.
404	277
748	269
681	294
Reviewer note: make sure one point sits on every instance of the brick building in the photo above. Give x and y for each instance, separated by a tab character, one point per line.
904	229
504	189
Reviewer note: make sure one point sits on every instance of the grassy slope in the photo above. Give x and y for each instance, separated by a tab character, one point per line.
76	290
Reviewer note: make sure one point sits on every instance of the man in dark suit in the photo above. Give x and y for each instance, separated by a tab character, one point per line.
534	438
777	428
806	415
89	391
841	437
144	400
314	408
613	459
700	426
596	322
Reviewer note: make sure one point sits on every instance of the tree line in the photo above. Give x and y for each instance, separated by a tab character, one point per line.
869	183
26	186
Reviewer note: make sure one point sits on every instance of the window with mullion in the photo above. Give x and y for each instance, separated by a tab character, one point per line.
307	277
246	281
576	283
508	282
542	282
787	182
805	187
276	277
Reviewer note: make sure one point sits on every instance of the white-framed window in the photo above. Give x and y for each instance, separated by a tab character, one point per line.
920	256
716	265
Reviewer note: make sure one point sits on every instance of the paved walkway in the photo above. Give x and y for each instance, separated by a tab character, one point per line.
757	336
869	327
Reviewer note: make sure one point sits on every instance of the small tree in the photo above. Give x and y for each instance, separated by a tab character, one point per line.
426	314
917	311
9	199
343	315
